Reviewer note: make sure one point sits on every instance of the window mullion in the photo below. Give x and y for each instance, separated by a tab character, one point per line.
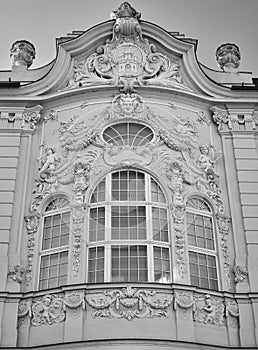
107	262
150	263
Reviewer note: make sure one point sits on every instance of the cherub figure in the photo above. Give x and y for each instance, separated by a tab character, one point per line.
50	162
210	310
208	158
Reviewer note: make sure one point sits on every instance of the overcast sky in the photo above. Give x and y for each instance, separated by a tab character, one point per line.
212	22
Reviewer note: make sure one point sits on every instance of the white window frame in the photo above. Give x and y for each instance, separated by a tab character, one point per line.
59	249
107	243
205	251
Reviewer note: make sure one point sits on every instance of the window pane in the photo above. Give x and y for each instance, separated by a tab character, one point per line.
97	224
96	265
129	263
128	222
203	270
53	270
161	265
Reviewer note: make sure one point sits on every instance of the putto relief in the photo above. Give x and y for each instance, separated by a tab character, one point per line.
127	60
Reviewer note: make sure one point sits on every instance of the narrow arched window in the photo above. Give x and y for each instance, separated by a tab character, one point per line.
202	248
54	245
128	230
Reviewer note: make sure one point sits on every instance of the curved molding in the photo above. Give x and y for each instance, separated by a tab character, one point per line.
89	41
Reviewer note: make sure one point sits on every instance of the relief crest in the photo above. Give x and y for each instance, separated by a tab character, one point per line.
127	60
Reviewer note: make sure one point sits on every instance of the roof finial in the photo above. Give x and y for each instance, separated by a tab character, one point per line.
22	54
228	57
125	10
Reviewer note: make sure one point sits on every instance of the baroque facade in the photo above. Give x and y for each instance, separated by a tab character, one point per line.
129	194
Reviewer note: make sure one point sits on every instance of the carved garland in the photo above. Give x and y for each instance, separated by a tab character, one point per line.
178	212
129	303
224	223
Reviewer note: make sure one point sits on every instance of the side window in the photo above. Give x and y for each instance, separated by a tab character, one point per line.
201	244
55	243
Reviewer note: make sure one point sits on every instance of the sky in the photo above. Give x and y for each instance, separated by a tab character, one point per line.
212	22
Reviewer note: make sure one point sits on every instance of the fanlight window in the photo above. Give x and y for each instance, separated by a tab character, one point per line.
55	240
128	134
128	230
201	244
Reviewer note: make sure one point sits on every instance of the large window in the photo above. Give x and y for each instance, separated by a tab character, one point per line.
201	244
55	240
128	230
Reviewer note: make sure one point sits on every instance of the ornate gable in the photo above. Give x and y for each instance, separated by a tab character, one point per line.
128	60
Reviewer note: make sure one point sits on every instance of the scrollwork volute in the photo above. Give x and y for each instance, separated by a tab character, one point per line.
31	116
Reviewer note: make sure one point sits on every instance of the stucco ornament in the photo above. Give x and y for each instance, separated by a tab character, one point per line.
178	212
15	273
32	223
31	117
184	302
78	212
81	177
127	60
209	309
74	301
179	176
175	174
48	163
48	310
24	313
24	308
127	105
80	182
206	162
240	273
208	158
129	303
22	53
224	224
75	135
232	312
221	118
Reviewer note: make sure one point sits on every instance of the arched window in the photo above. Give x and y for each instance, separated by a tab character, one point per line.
54	246
201	244
128	230
128	134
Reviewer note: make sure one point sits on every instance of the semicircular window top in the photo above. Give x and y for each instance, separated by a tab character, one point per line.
128	134
202	248
55	243
128	230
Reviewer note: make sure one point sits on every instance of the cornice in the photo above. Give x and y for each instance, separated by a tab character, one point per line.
49	86
14	100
